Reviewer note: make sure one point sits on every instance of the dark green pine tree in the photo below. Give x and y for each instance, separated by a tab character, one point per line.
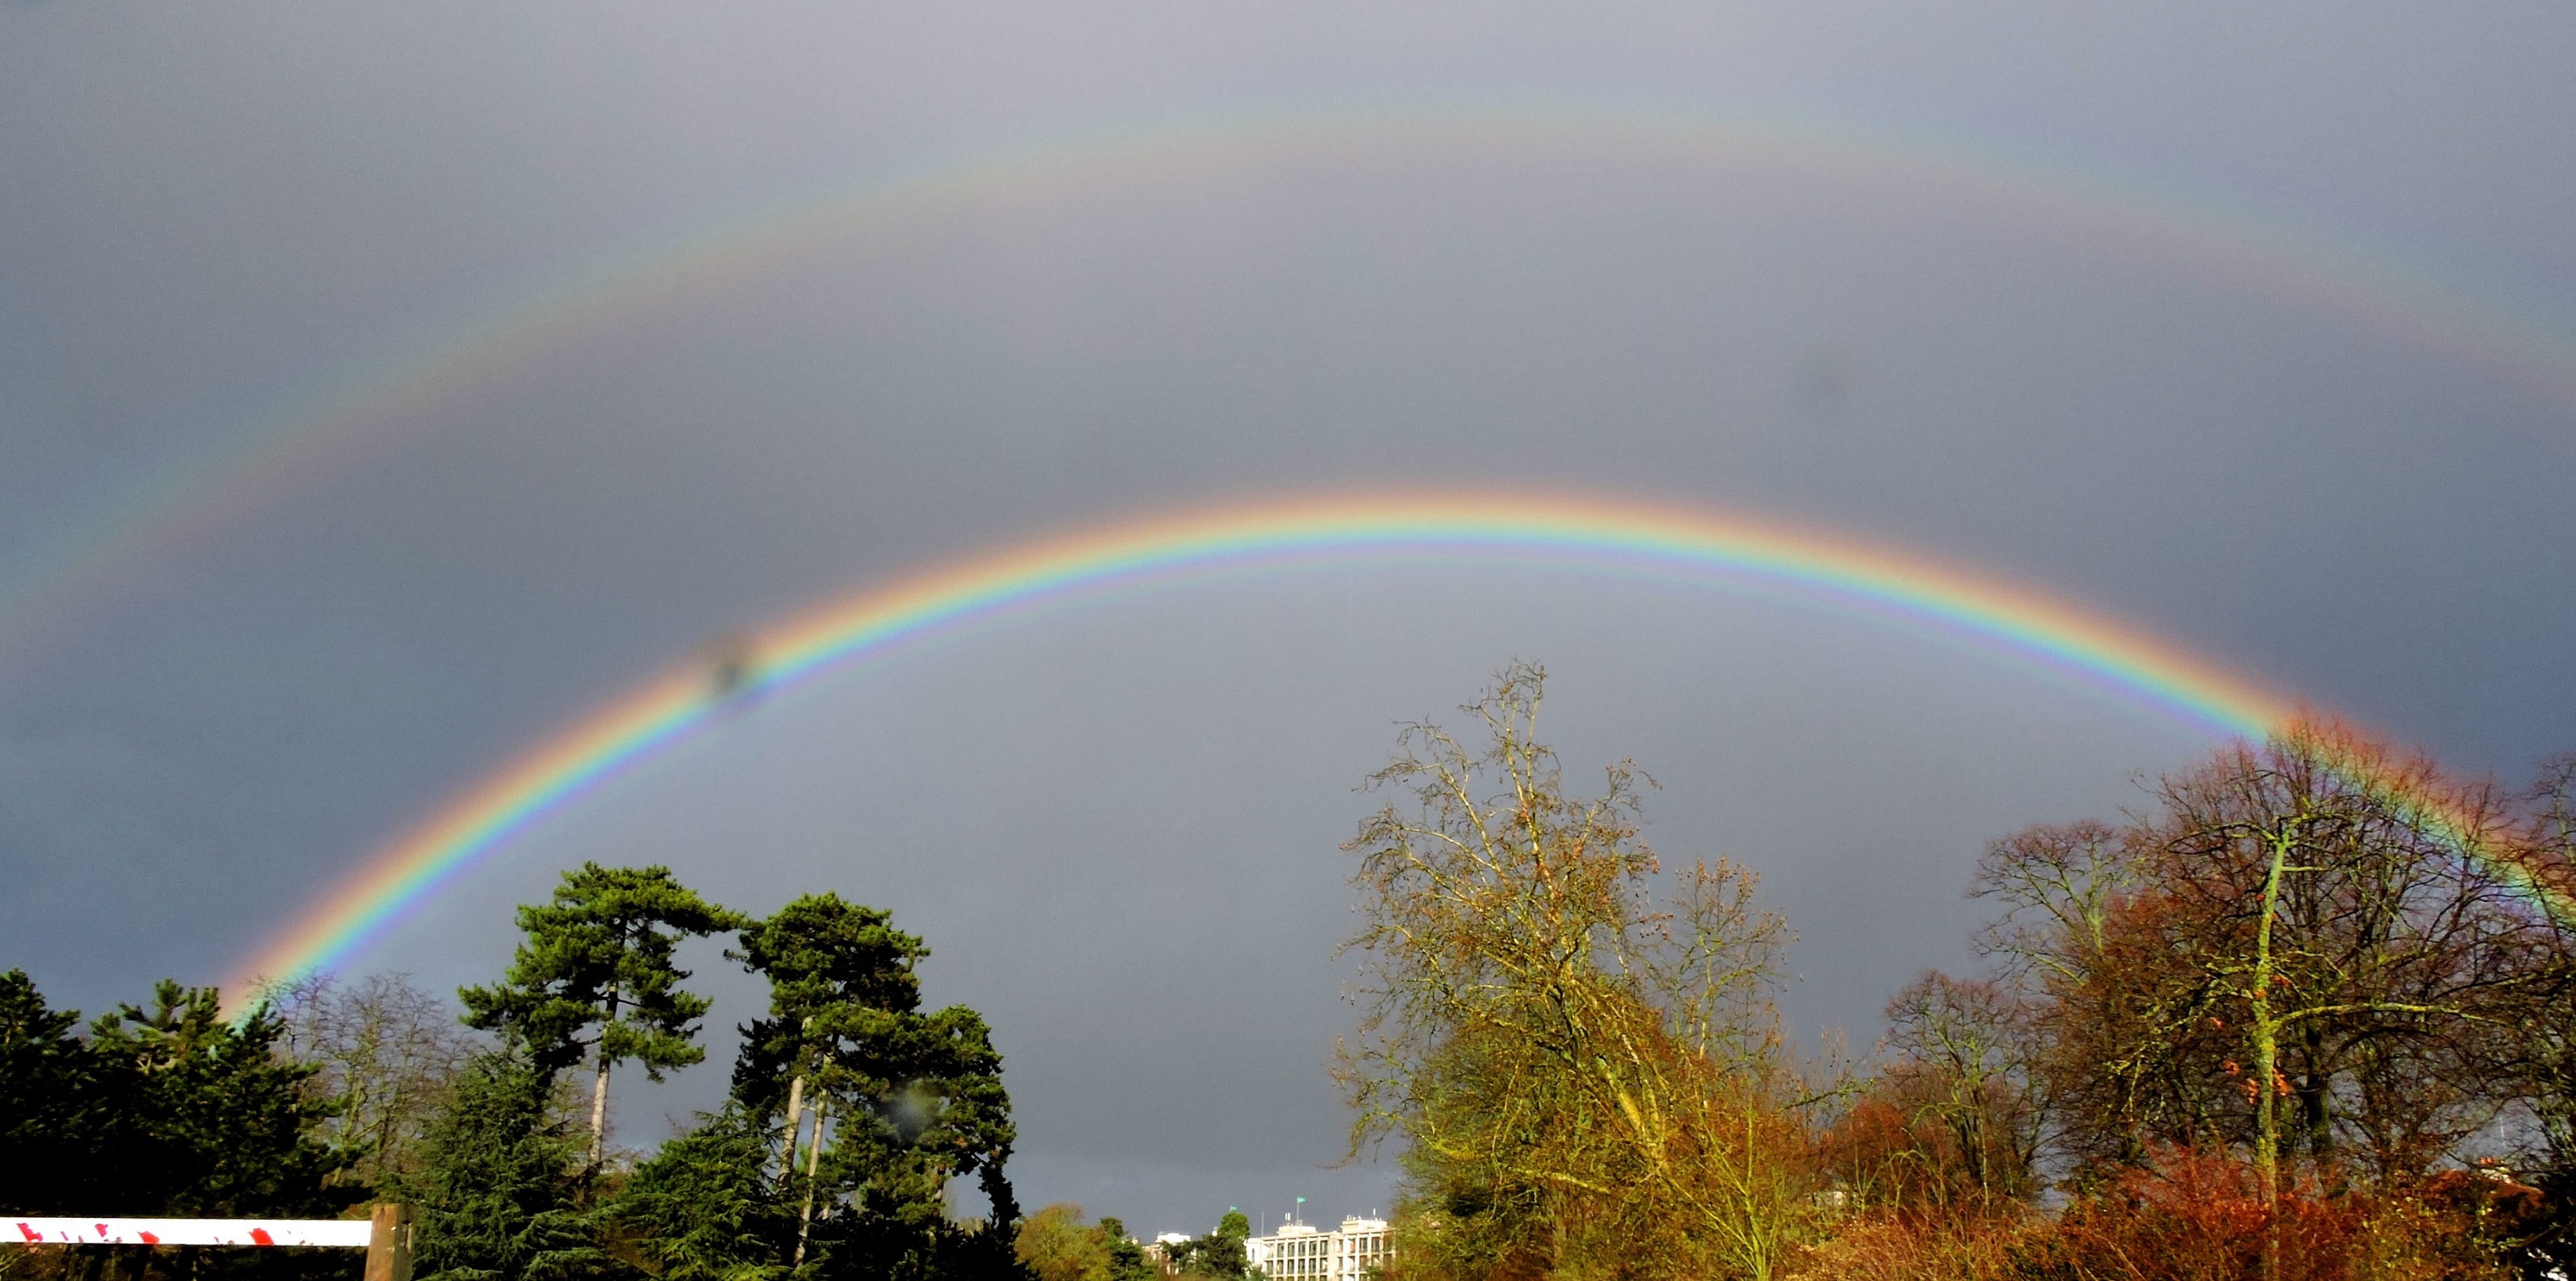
955	1115
838	973
499	1191
919	1105
726	1200
50	1118
204	1116
911	1100
705	1209
1127	1258
1220	1254
595	975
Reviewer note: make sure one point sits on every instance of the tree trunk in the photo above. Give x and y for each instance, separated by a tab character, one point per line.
2316	1115
2267	1053
599	1088
813	1166
795	1122
599	1112
795	1107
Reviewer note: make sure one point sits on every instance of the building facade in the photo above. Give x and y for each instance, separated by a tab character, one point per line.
1301	1252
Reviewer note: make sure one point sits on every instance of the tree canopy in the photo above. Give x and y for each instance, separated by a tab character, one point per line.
596	974
2307	1014
501	1186
166	1108
1579	1078
910	1099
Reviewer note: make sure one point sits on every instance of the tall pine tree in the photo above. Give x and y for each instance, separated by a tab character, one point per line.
595	975
903	1101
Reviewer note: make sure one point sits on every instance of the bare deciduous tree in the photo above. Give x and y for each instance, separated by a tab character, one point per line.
2304	949
1967	1042
388	1053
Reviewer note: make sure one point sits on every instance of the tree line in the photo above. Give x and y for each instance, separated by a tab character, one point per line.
2309	1013
1056	1245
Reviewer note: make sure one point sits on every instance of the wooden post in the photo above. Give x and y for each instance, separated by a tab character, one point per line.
389	1244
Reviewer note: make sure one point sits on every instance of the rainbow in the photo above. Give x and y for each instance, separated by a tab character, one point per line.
45	589
1506	528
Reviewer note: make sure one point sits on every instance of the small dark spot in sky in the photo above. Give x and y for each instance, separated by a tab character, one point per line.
1822	377
733	669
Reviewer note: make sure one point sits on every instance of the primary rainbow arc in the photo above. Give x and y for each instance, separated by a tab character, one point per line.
1499	527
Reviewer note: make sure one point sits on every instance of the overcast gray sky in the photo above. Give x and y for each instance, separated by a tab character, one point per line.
1117	822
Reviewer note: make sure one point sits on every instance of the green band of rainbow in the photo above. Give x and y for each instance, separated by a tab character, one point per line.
1506	528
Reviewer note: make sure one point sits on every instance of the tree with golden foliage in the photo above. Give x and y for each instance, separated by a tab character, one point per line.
1054	1244
1585	1083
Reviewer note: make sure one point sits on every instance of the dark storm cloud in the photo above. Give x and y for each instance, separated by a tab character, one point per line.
1116	824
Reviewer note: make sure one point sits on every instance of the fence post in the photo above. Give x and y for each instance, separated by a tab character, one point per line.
389	1244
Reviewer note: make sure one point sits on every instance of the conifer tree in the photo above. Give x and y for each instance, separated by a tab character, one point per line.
704	1207
913	1099
48	1094
200	1115
1127	1258
169	1109
501	1180
837	972
595	974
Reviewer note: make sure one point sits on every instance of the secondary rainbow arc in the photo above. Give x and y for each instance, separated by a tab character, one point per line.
42	587
1502	527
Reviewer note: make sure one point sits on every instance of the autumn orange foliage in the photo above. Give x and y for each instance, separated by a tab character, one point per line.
2196	1215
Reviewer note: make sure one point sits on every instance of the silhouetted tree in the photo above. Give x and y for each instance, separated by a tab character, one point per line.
51	1122
206	1117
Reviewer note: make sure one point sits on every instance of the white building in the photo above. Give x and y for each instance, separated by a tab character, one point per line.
1302	1252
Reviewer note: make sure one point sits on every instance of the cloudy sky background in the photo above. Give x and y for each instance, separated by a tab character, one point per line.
1116	822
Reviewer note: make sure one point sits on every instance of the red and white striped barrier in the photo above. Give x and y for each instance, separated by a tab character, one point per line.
343	1233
